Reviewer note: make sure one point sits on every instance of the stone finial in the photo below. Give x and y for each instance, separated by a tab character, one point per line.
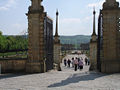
36	2
36	5
94	12
110	1
41	1
110	4
56	32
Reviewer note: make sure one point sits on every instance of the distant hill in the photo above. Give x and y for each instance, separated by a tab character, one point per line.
77	39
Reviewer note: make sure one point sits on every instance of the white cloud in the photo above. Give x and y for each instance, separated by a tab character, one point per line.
96	5
88	18
18	27
74	26
8	5
118	0
70	20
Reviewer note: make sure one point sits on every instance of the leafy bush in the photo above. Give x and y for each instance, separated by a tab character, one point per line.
9	43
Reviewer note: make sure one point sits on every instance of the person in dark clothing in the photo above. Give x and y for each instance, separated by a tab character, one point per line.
65	62
78	61
72	62
69	61
86	61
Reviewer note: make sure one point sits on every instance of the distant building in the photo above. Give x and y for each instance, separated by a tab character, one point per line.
68	47
85	46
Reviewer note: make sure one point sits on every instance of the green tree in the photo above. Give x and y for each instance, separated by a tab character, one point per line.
3	43
0	33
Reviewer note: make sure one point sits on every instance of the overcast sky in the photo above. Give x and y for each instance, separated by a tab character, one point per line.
75	16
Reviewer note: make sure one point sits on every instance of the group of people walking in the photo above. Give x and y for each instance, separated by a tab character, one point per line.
77	63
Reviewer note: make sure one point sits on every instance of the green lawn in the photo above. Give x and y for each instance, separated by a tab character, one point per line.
14	55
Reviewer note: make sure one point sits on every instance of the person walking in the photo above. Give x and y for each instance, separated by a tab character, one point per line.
72	62
81	58
78	61
69	61
86	61
75	64
65	62
80	64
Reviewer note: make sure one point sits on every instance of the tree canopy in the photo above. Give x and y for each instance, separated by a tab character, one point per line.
9	43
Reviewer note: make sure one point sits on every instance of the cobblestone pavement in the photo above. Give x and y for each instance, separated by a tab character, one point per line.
67	79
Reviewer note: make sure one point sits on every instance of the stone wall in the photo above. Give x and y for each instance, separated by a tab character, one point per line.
13	65
110	66
93	55
57	58
36	52
111	44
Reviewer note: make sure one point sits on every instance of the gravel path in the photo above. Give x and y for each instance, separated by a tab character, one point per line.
67	79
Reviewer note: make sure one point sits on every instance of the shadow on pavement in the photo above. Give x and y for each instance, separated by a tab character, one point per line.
75	78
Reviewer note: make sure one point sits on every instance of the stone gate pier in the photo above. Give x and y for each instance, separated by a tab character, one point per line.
36	15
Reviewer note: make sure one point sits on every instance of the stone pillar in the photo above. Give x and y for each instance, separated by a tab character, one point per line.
111	14
35	62
93	47
57	46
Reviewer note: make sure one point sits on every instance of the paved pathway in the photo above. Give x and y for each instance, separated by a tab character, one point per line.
67	79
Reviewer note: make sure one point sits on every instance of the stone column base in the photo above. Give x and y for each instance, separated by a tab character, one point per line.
93	67
35	67
57	67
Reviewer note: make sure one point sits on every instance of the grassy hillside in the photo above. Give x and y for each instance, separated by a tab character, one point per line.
78	39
